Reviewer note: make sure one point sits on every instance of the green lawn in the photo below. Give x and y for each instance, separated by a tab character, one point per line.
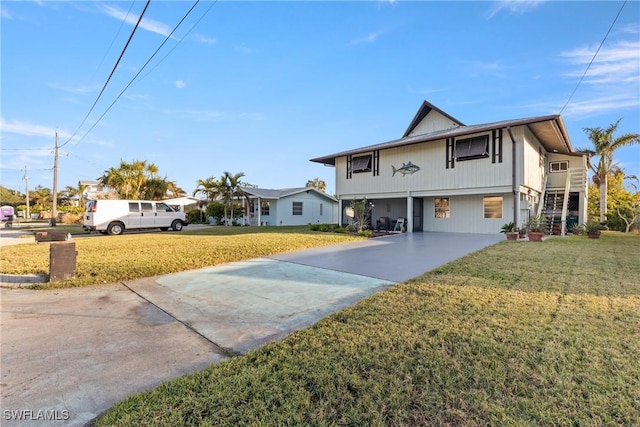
519	334
107	259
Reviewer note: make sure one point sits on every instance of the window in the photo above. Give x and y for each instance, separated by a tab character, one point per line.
134	207
492	206
264	208
558	166
472	148
361	164
146	207
297	208
321	207
163	207
442	207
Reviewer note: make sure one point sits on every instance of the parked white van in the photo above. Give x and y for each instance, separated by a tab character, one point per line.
116	216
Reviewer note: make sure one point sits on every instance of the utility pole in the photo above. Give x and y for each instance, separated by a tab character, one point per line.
54	211
26	190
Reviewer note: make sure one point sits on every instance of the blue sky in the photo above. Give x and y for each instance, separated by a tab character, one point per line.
262	87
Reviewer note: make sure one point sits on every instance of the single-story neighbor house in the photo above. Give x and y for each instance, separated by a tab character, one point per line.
289	206
443	175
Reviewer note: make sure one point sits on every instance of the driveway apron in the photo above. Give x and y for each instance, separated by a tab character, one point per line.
70	354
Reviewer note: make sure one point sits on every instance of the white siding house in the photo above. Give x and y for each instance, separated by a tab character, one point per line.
443	175
290	206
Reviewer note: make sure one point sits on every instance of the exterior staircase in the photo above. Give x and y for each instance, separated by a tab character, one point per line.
554	201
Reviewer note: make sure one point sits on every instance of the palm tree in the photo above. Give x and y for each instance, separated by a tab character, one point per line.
130	178
605	145
209	188
233	186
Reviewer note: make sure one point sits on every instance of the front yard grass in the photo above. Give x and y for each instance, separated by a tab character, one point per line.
518	334
108	259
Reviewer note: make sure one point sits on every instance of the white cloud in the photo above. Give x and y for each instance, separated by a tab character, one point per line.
515	7
618	64
180	84
244	49
29	129
204	39
369	38
4	13
146	23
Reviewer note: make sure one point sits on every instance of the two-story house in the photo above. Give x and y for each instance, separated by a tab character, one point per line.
443	175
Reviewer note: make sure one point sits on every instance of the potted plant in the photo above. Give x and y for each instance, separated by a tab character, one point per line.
510	230
592	228
577	229
537	226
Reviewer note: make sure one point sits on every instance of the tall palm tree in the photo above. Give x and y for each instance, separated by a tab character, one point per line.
604	145
232	189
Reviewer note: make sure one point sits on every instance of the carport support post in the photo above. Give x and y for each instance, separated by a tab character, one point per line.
409	213
62	261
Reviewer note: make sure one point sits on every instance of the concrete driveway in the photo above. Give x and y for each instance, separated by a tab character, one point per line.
68	355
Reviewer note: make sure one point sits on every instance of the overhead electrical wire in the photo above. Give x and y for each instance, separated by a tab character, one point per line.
115	36
593	58
110	75
167	38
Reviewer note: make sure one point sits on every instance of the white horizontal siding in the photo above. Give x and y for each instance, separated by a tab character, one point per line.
467	215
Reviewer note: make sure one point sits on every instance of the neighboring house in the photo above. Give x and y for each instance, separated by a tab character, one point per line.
289	206
445	176
179	203
95	190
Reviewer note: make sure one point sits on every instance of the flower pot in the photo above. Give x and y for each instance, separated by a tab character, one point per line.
594	234
512	235
535	236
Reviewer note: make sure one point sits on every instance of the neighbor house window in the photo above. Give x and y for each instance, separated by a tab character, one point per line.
442	207
472	148
297	208
361	164
558	166
264	208
321	207
492	206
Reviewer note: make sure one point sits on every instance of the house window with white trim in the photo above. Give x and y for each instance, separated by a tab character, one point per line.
297	208
264	208
558	166
441	207
492	207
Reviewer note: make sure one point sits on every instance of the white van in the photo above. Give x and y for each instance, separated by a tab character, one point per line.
116	216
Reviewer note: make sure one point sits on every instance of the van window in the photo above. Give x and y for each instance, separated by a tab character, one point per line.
146	207
91	206
134	207
163	207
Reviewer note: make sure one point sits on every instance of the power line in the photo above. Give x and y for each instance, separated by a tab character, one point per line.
115	37
167	38
593	59
110	75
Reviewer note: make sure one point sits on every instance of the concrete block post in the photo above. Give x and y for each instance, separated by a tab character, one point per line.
62	261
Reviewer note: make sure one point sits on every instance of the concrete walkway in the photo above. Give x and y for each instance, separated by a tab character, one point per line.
70	354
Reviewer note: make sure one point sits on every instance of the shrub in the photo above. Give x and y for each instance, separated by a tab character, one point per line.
314	227
72	218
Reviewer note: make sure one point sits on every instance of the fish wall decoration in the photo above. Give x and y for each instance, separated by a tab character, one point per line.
407	168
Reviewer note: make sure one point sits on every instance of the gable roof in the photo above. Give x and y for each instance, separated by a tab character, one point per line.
265	193
549	130
425	109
